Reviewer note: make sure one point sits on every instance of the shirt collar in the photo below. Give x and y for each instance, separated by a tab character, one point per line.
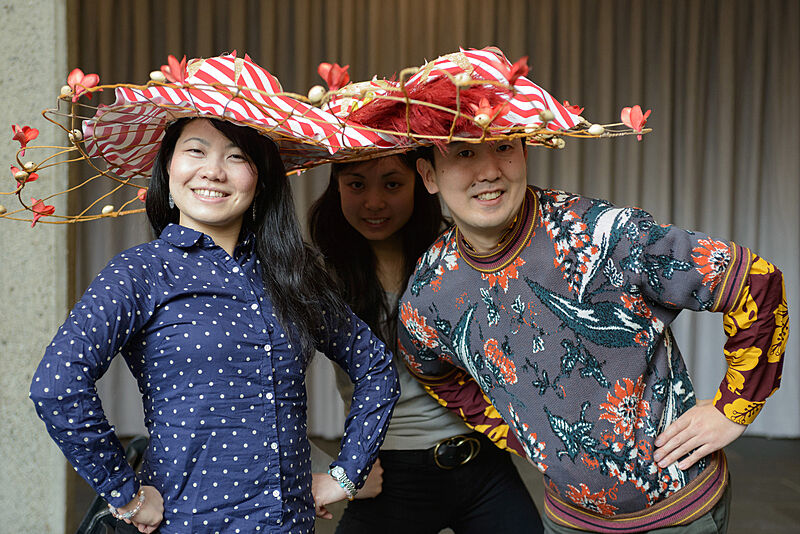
518	237
180	236
183	237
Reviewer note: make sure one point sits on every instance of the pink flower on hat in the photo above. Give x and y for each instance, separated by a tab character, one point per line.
24	135
485	108
175	71
573	108
509	71
334	75
40	209
634	118
519	68
80	82
141	194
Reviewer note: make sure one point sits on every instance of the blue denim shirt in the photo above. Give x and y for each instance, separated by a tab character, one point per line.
223	388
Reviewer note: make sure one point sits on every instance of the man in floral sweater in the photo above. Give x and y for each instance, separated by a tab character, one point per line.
542	318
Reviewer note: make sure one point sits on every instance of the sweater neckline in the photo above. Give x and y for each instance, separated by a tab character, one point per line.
512	243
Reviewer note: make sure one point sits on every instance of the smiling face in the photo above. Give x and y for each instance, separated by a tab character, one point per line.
483	186
211	180
377	196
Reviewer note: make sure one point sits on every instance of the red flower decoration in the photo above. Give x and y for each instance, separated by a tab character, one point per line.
634	118
334	75
572	108
485	108
24	135
511	72
519	68
175	71
141	194
32	177
80	82
40	209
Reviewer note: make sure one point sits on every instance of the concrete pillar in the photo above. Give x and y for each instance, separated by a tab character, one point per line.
33	268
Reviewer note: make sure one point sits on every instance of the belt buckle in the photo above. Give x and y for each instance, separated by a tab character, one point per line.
457	442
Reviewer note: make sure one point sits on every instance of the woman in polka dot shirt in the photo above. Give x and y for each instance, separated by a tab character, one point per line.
215	319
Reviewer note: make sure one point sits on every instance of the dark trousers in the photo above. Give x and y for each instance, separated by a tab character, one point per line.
484	496
124	528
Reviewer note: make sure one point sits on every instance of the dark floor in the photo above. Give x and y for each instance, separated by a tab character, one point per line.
765	474
766	486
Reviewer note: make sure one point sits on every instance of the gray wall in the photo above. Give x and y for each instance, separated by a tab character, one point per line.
33	273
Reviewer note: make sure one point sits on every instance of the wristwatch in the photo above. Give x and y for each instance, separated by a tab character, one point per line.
338	474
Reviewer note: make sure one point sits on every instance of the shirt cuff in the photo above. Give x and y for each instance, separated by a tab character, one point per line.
119	492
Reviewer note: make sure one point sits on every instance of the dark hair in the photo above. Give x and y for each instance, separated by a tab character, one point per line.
350	256
293	274
426	153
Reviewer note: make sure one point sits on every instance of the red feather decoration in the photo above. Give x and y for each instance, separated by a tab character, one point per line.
390	115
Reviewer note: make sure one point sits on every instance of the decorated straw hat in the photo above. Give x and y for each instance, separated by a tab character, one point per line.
470	95
119	142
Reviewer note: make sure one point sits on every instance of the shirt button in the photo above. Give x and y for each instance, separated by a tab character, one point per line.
235	269
267	348
269	396
115	493
274	446
254	306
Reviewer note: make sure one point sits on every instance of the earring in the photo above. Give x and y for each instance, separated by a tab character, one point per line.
170	201
254	212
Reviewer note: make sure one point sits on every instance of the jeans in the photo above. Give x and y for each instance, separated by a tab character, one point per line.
486	495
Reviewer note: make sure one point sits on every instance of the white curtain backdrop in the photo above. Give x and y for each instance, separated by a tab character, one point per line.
722	78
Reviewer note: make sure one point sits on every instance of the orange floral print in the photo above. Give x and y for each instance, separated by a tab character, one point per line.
625	408
712	258
588	461
596	502
501	278
508	370
417	326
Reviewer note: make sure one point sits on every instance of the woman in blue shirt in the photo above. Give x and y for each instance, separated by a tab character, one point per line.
215	319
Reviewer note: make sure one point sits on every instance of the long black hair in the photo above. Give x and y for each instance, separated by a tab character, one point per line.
294	277
349	255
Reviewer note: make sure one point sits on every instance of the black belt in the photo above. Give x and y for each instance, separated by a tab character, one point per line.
448	454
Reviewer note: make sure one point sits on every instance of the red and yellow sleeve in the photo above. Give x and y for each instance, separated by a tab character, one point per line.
458	392
757	327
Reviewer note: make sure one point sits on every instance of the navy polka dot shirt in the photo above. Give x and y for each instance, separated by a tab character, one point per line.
223	388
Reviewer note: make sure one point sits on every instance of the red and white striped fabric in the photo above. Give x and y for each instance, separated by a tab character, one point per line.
127	133
351	97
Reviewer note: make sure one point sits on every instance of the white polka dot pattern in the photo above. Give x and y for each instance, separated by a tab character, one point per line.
223	388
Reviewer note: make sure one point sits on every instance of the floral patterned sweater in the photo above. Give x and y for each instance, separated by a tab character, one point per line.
559	348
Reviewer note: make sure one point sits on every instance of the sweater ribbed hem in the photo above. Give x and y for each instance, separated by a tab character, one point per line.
691	502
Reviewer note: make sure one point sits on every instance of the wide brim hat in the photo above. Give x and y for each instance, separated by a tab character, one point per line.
471	95
127	133
119	141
